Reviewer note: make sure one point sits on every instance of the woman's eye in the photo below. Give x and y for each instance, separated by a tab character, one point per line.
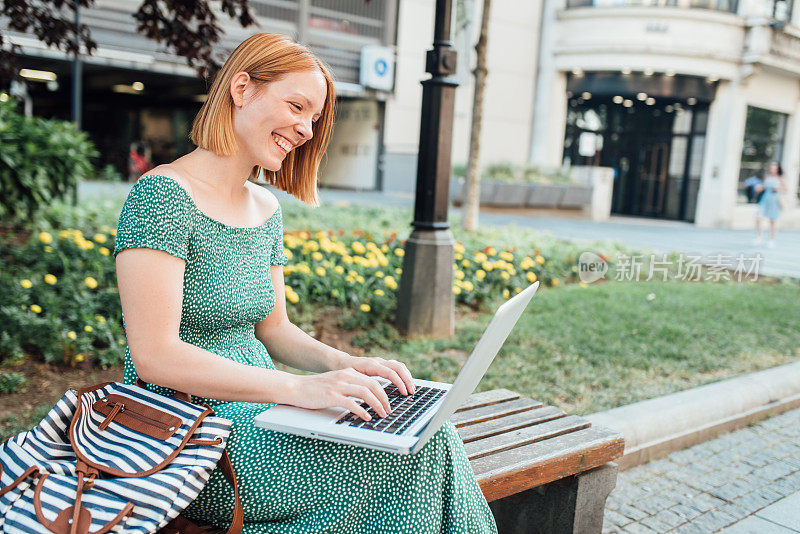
297	107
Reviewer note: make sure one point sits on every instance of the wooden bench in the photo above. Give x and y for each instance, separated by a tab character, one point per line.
541	470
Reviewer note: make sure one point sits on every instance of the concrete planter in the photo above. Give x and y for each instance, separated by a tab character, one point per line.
526	195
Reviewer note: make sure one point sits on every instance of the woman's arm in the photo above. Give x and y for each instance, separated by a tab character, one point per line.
288	344
151	293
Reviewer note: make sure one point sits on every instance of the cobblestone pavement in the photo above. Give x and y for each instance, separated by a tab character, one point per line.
715	484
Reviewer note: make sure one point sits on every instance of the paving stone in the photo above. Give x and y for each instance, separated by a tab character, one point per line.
631	511
775	470
734	509
686	512
663	521
655	503
755	525
730	491
713	520
753	501
616	519
783	512
689	528
784	486
638	528
705	502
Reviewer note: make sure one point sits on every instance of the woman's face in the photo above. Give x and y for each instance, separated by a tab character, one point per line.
773	168
280	118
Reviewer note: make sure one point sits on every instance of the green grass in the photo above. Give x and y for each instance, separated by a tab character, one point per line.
607	345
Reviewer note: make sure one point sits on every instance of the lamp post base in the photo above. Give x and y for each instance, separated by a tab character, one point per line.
425	302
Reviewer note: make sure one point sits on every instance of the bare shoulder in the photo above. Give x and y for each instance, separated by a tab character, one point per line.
170	172
267	201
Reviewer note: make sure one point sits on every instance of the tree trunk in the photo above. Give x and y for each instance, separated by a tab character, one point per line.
473	181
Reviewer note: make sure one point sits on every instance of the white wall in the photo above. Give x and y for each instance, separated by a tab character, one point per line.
508	99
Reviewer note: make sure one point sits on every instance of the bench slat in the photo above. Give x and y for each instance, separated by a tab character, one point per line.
507	424
487	398
485	413
524	436
522	468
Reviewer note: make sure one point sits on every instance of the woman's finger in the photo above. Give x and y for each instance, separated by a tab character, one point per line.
385	371
401	369
365	393
356	408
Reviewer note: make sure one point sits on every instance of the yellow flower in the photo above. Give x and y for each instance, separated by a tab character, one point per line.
507	256
45	238
459	275
72	335
347	259
63	234
465	263
48	248
35	308
384	249
317	256
399	252
458	256
338	269
379	292
50	279
458	247
456	290
335	293
291	296
88	328
121	341
113	232
390	282
379	274
504	275
506	293
398	270
320	271
100	319
467	285
27	284
487	266
358	247
365	308
287	253
104	251
79	358
91	283
583	284
100	238
360	279
554	282
531	276
539	260
480	274
480	257
517	290
491	251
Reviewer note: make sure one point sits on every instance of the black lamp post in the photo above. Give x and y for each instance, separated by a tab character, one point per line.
425	304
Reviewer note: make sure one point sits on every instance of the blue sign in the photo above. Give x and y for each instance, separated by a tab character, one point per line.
381	67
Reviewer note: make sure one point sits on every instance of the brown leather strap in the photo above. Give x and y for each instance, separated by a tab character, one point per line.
32	471
238	511
178	394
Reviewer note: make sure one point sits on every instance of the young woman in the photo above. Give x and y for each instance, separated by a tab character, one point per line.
769	206
199	250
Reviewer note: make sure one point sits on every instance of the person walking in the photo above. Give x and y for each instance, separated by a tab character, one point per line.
769	205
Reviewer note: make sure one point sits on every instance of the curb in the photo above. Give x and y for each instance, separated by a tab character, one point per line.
656	427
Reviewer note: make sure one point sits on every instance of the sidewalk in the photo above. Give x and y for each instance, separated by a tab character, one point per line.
747	481
659	235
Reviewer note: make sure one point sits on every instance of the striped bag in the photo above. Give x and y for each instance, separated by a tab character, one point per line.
113	458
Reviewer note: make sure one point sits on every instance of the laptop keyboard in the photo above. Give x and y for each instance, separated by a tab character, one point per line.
405	410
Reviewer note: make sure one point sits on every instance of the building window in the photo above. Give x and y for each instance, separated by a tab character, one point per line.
717	5
781	10
764	132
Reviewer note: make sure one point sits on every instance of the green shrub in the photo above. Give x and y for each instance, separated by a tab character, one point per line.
110	174
40	160
11	381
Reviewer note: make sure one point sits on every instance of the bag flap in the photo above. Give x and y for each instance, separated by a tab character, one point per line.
133	432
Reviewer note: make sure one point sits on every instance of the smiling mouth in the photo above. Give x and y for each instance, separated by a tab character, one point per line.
282	143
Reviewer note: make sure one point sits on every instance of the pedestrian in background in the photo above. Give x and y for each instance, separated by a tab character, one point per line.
769	205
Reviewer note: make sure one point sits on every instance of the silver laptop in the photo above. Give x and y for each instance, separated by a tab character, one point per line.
414	418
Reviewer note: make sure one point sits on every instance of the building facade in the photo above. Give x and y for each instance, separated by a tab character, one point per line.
683	99
134	90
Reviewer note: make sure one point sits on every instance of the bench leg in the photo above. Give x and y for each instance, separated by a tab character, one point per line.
573	505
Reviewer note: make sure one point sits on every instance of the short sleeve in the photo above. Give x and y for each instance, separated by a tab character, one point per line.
276	233
156	214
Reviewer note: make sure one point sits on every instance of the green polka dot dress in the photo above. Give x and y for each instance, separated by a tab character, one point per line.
288	484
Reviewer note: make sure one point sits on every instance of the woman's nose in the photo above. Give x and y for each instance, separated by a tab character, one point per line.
304	130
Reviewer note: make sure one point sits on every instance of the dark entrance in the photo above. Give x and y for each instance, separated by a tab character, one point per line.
654	143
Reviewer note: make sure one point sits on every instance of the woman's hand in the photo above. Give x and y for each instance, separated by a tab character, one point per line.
333	389
392	370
